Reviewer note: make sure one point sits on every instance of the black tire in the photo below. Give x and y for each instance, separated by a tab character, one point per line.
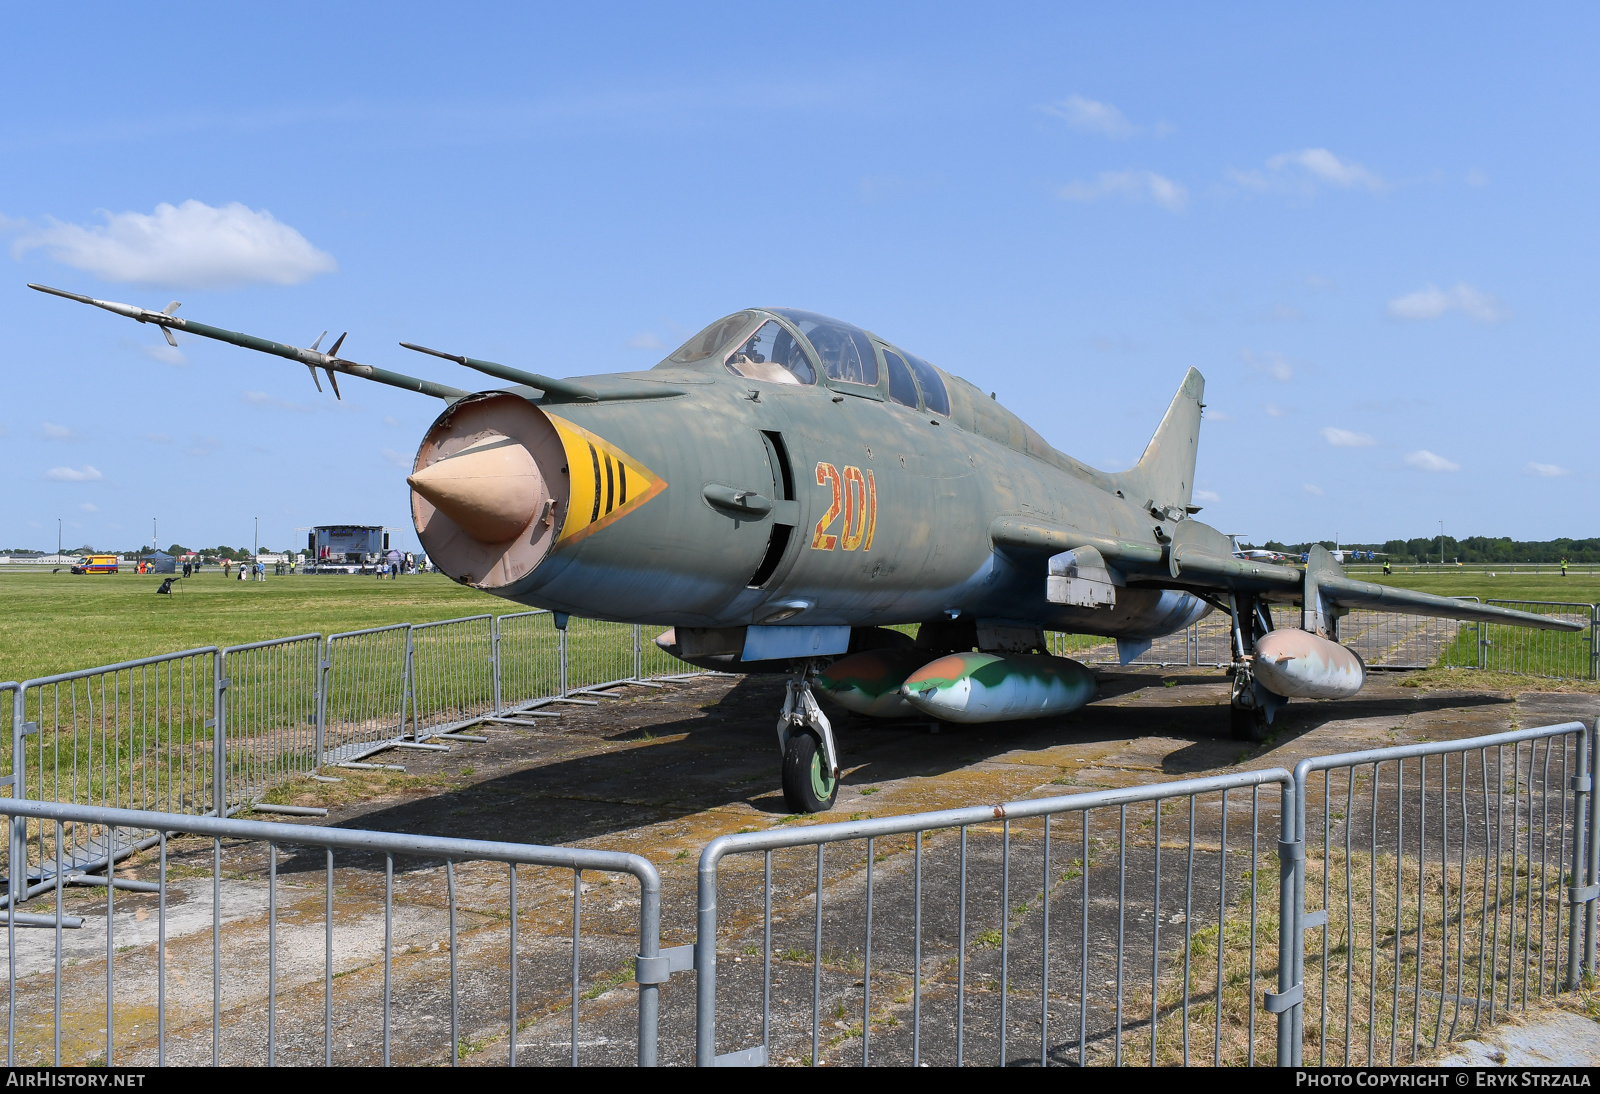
1248	724
807	785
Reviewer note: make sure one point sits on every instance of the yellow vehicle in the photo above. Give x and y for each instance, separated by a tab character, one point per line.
96	564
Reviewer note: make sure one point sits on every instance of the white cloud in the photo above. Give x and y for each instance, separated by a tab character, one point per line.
192	245
1324	165
1089	116
1170	195
87	473
1313	490
1217	415
272	402
1306	170
390	419
1209	496
1344	438
167	355
1423	460
1476	177
89	507
645	340
1546	470
396	459
1275	365
1432	302
54	432
1275	411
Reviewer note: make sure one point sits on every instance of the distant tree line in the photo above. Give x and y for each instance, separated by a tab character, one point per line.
1490	549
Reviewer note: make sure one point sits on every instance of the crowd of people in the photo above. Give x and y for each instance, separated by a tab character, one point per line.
390	564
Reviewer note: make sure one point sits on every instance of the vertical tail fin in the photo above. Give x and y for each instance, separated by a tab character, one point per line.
1164	476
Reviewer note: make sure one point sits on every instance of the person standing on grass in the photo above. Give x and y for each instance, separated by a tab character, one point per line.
1563	567
226	565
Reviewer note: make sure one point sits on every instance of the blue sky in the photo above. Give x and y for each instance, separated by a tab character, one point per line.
1372	228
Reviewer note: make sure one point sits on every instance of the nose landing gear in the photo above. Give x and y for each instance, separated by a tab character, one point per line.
805	737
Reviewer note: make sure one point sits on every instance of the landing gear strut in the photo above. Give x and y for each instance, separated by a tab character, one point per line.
1250	706
805	736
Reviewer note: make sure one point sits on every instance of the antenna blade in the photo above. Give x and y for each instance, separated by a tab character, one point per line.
314	379
320	337
171	341
335	384
170	308
333	351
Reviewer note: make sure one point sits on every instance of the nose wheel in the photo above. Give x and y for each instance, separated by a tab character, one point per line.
808	787
810	760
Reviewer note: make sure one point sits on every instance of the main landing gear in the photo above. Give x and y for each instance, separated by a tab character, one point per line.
805	736
1251	706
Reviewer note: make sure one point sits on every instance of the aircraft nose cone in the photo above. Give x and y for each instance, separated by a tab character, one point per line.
492	489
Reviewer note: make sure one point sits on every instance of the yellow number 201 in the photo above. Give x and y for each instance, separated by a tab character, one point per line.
855	495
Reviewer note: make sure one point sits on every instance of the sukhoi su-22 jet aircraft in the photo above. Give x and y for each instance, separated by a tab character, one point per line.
784	487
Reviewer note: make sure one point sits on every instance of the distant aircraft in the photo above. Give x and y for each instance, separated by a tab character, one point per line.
784	487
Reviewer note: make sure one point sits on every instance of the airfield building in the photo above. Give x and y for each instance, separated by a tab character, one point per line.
345	548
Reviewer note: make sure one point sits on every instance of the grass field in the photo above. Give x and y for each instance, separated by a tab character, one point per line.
57	622
1584	588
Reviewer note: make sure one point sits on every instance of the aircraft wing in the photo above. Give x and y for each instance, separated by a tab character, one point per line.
1348	593
1192	562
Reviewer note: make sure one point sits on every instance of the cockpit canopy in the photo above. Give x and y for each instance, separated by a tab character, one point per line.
786	346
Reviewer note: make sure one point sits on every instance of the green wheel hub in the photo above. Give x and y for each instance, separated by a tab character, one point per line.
822	782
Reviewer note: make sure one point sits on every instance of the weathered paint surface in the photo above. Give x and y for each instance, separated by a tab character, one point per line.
869	682
987	687
1301	665
880	512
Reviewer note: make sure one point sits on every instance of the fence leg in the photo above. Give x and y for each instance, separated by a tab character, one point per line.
1594	642
324	674
638	655
17	867
649	946
1291	939
408	694
1580	863
219	733
494	660
705	968
562	640
1594	853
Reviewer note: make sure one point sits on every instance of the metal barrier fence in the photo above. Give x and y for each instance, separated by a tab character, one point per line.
527	657
137	735
597	654
180	976
9	760
1561	654
1448	894
452	670
267	696
363	699
1001	924
144	734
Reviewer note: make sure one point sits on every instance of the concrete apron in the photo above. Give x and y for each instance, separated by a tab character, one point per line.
706	769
